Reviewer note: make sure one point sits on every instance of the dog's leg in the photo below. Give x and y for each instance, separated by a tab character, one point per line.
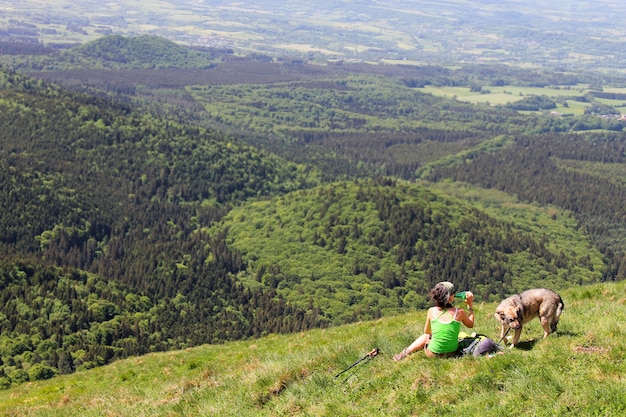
546	327
502	333
553	326
518	333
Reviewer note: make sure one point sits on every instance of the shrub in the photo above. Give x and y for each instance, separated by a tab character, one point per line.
40	371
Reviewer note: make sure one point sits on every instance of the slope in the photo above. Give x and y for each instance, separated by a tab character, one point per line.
576	372
116	52
101	212
362	249
579	173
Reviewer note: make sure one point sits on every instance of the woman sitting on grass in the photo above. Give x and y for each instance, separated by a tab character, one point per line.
443	324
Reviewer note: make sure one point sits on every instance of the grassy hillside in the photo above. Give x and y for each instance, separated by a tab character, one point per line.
577	372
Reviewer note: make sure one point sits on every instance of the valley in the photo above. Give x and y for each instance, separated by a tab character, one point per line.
192	178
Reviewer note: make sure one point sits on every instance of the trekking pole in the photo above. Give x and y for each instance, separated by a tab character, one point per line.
370	355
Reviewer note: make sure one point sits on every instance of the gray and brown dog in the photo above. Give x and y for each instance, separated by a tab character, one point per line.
519	309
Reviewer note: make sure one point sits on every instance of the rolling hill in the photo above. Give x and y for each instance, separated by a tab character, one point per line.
365	250
116	52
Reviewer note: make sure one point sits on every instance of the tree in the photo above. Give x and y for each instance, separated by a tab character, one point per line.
40	371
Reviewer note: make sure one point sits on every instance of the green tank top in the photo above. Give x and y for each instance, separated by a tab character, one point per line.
445	338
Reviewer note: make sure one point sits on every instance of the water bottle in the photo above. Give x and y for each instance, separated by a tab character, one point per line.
461	295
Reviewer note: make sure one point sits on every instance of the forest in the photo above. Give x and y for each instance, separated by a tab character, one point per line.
156	197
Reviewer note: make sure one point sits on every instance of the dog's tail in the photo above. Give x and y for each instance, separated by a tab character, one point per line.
559	309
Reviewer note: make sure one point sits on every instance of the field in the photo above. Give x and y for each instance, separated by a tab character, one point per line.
588	35
569	100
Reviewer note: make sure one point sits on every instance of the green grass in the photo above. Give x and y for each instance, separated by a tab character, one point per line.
495	95
578	371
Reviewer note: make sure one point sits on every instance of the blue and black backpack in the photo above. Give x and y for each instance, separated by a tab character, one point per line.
477	345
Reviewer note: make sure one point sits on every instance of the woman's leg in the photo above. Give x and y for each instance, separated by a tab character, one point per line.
418	344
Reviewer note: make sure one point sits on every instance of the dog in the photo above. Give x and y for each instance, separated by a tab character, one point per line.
519	309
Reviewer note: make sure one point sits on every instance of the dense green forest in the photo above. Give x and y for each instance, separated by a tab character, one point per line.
366	249
102	191
580	174
147	207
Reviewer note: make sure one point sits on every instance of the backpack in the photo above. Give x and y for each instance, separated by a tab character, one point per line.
477	345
